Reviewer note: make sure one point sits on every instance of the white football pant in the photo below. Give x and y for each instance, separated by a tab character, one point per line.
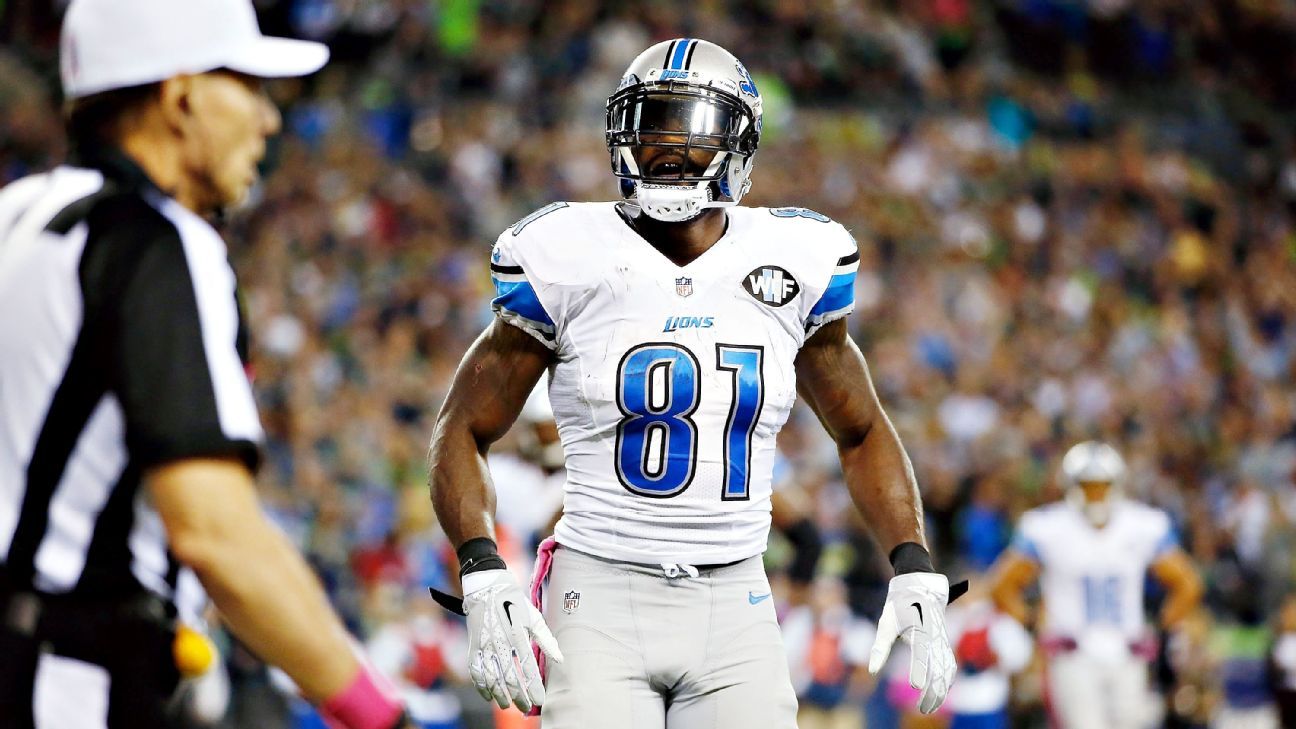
644	650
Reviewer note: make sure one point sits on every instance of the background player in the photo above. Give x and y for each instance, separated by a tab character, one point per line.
677	329
1091	553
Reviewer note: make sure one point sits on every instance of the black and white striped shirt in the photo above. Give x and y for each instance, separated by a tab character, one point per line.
121	347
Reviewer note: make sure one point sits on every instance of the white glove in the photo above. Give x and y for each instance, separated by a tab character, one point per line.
501	624
915	613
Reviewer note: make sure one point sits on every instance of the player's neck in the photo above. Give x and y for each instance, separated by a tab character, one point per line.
683	242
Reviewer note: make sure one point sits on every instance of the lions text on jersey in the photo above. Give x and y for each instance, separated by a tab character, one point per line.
1091	579
671	382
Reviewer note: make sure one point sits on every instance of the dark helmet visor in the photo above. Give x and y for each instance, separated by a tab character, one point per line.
674	132
677	114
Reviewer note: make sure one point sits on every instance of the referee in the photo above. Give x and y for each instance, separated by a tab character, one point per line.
128	430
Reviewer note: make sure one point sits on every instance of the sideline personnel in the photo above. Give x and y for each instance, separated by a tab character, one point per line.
128	429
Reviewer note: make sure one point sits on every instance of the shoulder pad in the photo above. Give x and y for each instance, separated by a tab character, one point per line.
800	213
520	225
1031	518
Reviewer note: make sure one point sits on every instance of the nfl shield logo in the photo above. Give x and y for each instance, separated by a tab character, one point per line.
684	286
571	601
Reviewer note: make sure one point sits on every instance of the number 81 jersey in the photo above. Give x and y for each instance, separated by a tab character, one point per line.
671	382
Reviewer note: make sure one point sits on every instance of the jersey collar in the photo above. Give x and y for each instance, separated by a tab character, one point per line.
115	165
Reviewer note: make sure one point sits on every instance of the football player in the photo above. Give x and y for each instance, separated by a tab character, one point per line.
677	329
1091	553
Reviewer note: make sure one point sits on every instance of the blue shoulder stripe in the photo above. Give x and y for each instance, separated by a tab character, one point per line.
842	279
1026	547
839	294
519	298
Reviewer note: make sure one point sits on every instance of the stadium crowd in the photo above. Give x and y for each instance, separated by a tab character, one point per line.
1076	221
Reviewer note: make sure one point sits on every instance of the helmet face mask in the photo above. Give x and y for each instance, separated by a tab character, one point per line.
1094	499
681	139
645	122
663	161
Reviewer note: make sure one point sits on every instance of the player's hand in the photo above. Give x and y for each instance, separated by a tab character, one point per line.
915	613
501	624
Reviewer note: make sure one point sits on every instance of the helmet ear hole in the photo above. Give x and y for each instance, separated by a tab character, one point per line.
723	183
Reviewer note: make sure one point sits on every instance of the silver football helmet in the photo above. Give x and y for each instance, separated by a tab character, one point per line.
1093	474
682	129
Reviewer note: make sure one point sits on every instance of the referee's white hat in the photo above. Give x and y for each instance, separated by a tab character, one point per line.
112	44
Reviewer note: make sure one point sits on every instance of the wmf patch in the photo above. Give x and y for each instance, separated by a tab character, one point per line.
771	285
571	601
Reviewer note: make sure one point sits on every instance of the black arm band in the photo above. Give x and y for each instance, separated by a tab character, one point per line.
911	557
479	554
806	548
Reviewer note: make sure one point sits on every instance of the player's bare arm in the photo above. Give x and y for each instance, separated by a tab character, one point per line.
834	379
1011	574
486	396
488	391
1175	571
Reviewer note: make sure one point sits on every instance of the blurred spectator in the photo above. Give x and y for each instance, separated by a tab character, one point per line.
417	642
990	648
1282	663
828	649
984	529
381	563
1242	652
1193	695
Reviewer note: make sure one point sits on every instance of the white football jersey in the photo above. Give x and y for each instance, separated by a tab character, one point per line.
1091	579
671	382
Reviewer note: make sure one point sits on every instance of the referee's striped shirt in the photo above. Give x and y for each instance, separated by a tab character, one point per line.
122	347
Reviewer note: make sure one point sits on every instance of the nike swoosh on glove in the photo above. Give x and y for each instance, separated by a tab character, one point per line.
501	624
915	613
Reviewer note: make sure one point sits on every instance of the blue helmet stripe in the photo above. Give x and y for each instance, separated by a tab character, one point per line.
681	52
670	51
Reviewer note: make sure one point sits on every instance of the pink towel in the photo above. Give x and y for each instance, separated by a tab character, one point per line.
544	560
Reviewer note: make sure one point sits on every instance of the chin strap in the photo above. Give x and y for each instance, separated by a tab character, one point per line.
672	203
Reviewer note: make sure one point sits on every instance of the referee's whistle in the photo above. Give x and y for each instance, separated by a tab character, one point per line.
194	652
